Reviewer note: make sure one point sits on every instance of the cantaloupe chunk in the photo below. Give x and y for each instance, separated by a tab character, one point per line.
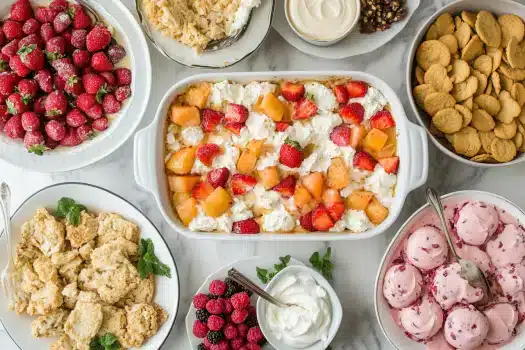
269	177
198	95
180	197
358	200
376	212
375	140
338	175
217	202
246	162
385	152
301	196
255	146
314	183
182	183
185	115
357	134
181	162
187	211
392	136
272	107
257	105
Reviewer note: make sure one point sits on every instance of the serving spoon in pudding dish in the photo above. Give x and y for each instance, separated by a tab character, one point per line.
469	270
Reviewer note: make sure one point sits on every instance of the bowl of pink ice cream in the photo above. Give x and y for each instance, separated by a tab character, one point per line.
422	302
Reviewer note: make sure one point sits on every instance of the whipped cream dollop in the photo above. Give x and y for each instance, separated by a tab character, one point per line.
224	92
382	184
323	97
242	15
192	135
373	102
278	220
305	324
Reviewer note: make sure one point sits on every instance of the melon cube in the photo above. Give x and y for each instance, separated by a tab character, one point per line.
338	175
187	211
198	95
375	140
376	212
217	202
269	177
358	200
185	115
314	183
272	107
181	162
179	198
182	183
301	196
246	162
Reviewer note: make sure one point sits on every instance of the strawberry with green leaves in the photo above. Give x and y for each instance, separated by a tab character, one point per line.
291	154
32	57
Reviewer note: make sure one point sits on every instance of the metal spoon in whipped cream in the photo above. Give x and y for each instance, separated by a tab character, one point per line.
469	270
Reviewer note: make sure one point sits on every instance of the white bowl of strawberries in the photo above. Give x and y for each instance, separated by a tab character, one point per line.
66	82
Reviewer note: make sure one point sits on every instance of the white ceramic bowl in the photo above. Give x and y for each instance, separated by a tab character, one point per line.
167	290
129	34
335	303
498	7
391	330
149	154
323	42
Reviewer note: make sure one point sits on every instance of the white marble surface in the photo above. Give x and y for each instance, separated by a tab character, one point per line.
356	262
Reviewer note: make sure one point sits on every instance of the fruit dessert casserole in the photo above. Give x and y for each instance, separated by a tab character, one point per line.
281	156
430	300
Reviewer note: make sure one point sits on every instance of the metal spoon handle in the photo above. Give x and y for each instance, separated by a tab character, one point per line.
5	200
244	281
435	202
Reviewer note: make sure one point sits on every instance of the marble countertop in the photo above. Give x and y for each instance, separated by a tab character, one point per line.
356	262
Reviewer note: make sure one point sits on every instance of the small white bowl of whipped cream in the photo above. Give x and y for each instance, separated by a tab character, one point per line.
313	321
322	22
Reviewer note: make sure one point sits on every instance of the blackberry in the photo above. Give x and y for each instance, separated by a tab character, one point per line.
235	287
211	296
262	342
215	337
202	347
202	315
251	321
231	290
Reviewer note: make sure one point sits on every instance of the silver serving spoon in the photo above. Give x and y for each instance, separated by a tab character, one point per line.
469	270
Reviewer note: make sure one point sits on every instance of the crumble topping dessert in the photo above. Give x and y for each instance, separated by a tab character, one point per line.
281	156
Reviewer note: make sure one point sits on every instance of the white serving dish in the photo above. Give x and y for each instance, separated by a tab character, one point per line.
392	331
167	290
497	7
248	268
352	45
335	303
129	34
149	154
254	35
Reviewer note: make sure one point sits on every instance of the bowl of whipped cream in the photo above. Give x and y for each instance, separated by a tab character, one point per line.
313	320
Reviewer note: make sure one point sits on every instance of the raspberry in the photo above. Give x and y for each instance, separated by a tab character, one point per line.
214	337
243	330
215	323
221	345
252	311
254	335
207	343
200	330
200	300
252	346
240	300
237	343
239	315
202	315
214	307
217	287
230	331
228	307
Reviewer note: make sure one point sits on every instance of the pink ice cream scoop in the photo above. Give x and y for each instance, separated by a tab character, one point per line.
477	256
503	318
511	279
477	222
423	319
466	328
402	285
449	288
426	248
508	247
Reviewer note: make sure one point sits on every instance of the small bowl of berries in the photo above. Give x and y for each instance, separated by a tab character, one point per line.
67	80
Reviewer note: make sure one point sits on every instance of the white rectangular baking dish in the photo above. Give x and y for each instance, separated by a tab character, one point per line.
149	154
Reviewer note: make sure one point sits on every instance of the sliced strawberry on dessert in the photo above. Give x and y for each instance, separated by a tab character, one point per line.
390	164
242	184
291	154
206	153
234	127
248	226
356	88
210	119
382	120
364	161
357	134
341	94
286	187
281	126
218	177
341	135
306	222
321	219
202	190
236	113
292	91
352	113
305	108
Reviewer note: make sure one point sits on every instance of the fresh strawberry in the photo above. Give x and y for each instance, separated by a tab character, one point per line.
81	19
390	164
2	37
42	15
16	64
30	121
4	62
51	144
56	104
13	127
10	49
64	67
32	57
4	114
242	184
28	89
67	37
247	226
335	210
291	154
31	26
85	132
123	92
71	139
95	112
21	11
39	105
201	191
110	79
100	124
382	120
34	142
31	39
306	222
352	113
218	177
61	22
8	81
78	38
44	80
124	78
234	127
341	94
321	218
55	48
59	83
341	135
98	38
94	84
75	118
236	113
47	32
281	126
74	86
364	161
286	187
116	53
305	108
100	62
356	88
59	5
15	104
85	101
292	92
207	152
110	104
210	119
81	58
12	30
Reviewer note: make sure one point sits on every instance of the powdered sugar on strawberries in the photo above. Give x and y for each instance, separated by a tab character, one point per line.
373	102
